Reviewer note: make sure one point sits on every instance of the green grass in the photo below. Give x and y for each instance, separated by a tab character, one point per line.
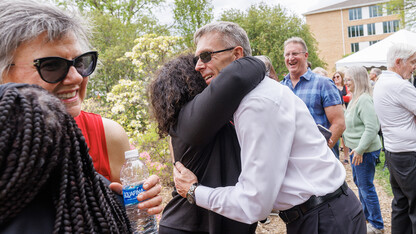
382	175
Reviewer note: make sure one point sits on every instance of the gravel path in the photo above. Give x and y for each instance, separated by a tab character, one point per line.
276	225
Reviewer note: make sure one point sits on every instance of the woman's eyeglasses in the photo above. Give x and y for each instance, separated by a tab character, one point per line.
55	69
206	56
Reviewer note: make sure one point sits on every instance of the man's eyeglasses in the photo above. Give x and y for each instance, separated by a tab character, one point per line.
206	56
55	69
294	54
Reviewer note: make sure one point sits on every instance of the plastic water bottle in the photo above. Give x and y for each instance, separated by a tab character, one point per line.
132	176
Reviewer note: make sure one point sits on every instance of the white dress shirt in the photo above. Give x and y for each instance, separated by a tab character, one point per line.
285	159
395	105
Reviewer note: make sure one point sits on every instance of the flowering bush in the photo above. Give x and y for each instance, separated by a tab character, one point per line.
127	102
153	167
151	51
129	106
158	151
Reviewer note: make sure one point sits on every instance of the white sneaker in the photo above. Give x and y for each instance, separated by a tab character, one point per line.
373	230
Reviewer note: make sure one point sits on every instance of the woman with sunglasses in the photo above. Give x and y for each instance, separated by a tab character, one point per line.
41	44
338	79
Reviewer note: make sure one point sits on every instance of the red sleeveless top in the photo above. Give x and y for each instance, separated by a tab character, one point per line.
92	128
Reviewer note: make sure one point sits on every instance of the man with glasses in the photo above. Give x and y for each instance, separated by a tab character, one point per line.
43	45
319	93
286	164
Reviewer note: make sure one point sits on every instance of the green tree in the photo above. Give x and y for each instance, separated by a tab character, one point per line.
268	27
189	15
127	102
407	11
127	11
117	23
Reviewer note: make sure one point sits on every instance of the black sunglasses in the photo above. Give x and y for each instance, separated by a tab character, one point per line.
55	69
206	56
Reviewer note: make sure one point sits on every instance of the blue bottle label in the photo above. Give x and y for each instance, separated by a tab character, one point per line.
130	193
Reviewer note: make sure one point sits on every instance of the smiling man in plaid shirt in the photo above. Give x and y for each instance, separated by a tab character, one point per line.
319	93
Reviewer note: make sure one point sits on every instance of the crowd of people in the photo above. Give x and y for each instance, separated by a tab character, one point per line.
243	143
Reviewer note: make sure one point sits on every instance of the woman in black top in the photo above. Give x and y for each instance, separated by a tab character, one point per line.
338	79
203	135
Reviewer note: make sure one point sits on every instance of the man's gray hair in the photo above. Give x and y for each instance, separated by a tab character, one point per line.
399	51
233	35
25	20
376	71
296	40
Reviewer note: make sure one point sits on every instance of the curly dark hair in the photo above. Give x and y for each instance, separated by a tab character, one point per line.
42	149
175	84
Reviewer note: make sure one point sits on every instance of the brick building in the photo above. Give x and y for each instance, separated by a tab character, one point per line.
349	26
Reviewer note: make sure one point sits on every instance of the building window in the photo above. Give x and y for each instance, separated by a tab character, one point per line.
376	11
356	31
374	42
355	47
371	28
355	14
390	26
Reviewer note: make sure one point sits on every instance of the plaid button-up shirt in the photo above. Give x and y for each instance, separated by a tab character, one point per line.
317	92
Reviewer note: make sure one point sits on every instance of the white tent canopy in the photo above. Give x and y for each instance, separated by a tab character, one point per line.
375	55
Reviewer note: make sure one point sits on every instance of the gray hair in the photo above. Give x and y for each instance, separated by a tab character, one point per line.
296	40
25	20
233	35
266	60
320	71
359	76
376	71
399	51
270	72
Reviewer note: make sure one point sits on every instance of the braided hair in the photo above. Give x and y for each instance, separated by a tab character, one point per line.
42	149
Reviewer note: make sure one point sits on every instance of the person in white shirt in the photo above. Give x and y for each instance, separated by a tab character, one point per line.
395	105
286	163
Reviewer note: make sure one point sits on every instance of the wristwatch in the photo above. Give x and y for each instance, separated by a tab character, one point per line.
191	194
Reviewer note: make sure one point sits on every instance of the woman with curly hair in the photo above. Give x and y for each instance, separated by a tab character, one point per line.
198	118
47	179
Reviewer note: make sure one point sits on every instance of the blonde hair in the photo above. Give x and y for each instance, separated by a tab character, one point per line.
359	76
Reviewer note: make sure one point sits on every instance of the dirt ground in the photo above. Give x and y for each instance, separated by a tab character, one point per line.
276	225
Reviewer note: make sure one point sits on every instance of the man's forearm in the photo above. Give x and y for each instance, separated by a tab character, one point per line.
335	115
337	129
